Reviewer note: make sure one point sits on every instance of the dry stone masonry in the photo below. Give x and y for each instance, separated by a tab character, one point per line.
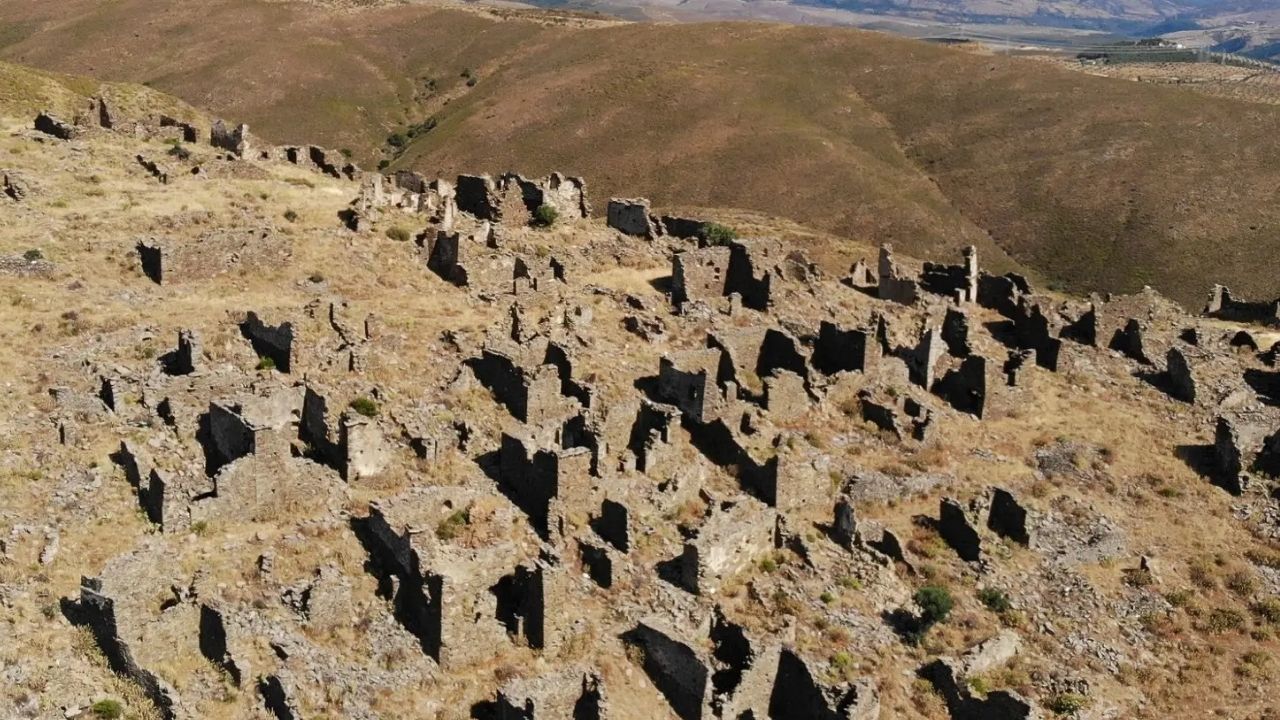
605	464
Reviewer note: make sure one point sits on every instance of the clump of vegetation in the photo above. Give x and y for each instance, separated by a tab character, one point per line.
1222	620
995	599
399	139
1241	582
768	564
1268	610
200	528
935	604
452	526
545	216
1138	577
717	234
346	152
291	215
180	152
32	255
1254	664
399	234
365	406
1067	703
266	363
842	661
108	708
827	597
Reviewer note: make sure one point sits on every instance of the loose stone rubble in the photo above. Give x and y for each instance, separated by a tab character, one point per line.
583	467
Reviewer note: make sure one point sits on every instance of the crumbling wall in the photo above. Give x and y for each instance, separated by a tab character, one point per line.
1222	305
270	341
688	381
675	668
797	695
839	350
699	275
631	217
478	196
895	285
959	282
96	611
234	141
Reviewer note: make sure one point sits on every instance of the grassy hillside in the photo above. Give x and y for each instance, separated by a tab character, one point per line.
1092	182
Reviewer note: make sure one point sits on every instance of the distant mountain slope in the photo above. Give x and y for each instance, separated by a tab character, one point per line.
1096	183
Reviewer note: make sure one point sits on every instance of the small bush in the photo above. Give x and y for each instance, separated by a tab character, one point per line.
450	527
935	604
545	216
827	598
717	234
1268	610
180	152
398	234
768	564
291	215
266	363
200	527
995	599
365	406
346	152
1138	577
383	164
1241	582
1222	620
108	709
842	661
32	255
1067	703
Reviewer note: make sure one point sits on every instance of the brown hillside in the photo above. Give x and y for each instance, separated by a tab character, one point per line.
1095	183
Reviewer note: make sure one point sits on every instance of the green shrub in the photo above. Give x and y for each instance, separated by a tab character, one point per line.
545	216
266	363
1067	703
842	661
935	604
291	215
717	234
399	234
827	598
450	527
768	564
1224	619
32	255
995	599
108	708
365	406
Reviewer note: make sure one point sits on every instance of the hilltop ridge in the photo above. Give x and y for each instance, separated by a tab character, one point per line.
1090	183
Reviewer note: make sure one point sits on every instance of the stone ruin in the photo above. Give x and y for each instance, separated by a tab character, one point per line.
572	451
